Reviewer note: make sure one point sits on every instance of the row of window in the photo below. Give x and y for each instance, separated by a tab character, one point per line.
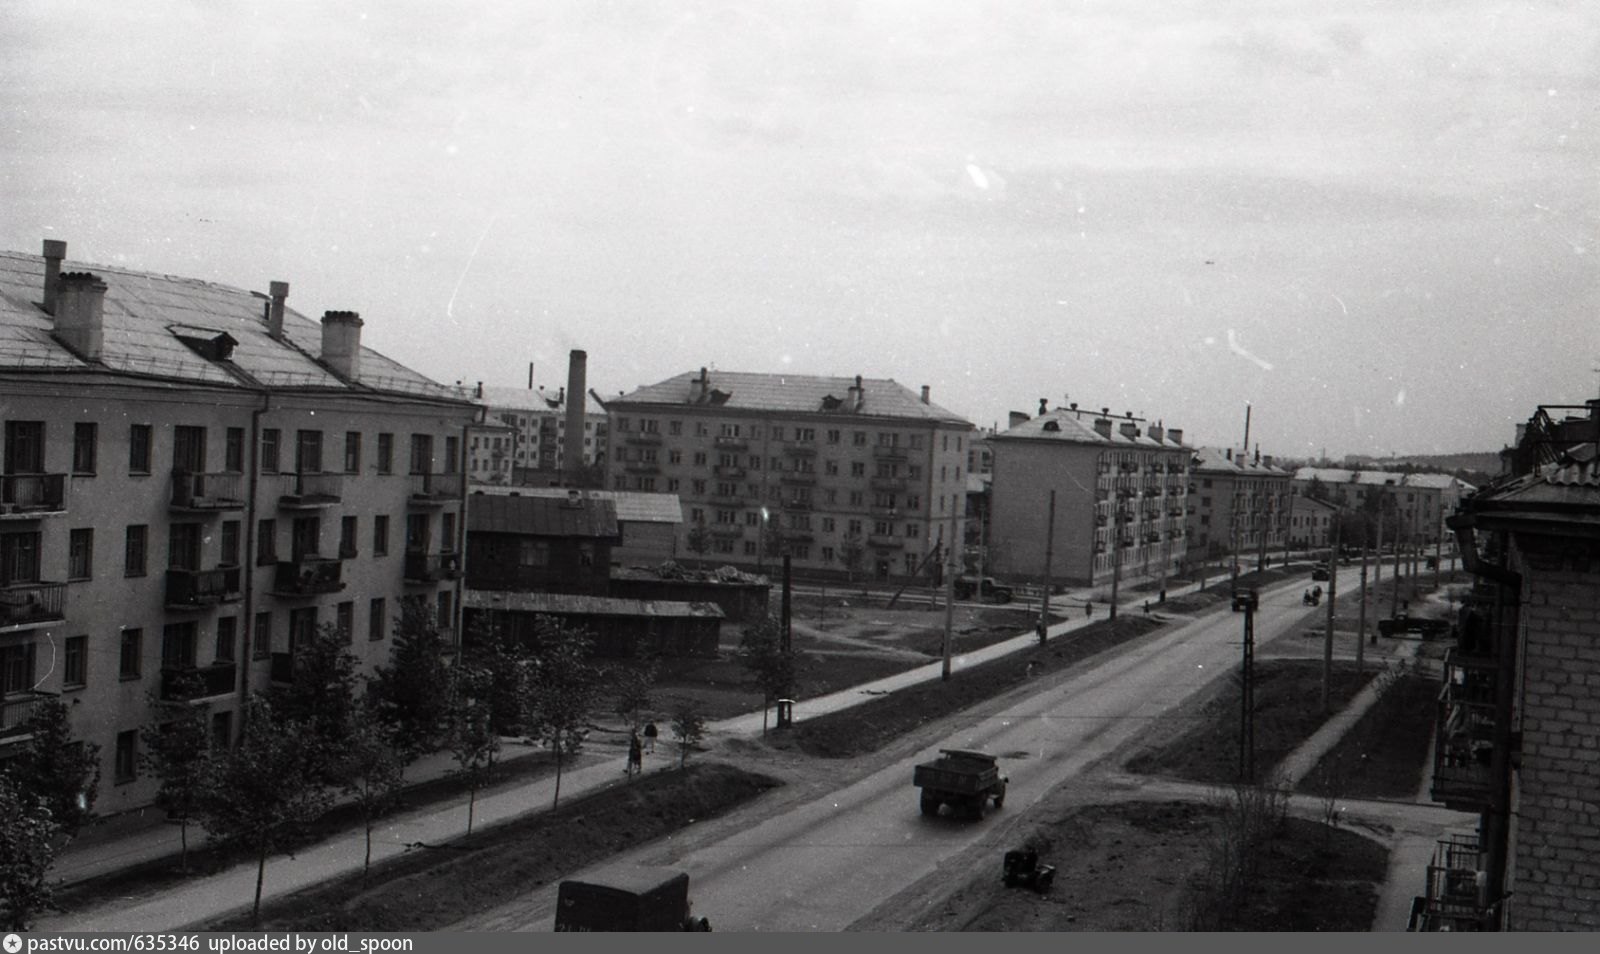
800	521
799	433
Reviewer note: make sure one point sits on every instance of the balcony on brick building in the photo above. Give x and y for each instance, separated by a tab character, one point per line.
311	491
422	567
206	492
308	576
1465	732
434	490
218	679
1455	890
30	605
198	589
30	496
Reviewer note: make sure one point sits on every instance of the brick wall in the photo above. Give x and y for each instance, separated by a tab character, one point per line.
1556	860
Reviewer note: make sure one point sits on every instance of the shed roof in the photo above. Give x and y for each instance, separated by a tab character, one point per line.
632	506
542	516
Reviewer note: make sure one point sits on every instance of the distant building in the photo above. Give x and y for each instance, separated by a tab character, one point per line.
815	467
1121	489
1238	505
648	523
523	438
1310	522
196	477
1420	502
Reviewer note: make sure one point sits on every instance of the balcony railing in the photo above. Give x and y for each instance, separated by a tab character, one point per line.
311	490
26	496
800	450
885	541
431	567
1455	896
1464	741
798	477
642	467
435	488
25	605
732	443
308	576
797	504
885	452
207	492
643	437
728	470
215	680
16	708
895	484
197	589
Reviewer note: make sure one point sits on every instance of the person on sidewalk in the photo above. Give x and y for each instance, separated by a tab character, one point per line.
1088	608
635	754
650	733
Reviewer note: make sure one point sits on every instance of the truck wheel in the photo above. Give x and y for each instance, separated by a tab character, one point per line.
975	806
930	805
999	799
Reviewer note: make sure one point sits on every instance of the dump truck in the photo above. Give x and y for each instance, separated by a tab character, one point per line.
987	587
961	779
627	898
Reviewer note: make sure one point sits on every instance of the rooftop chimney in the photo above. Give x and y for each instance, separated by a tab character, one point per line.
80	313
1228	453
1130	430
1102	426
1043	405
700	387
857	395
1017	417
572	441
924	394
530	375
341	343
1175	435
279	291
54	251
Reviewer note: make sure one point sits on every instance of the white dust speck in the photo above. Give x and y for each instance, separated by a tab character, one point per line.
1238	349
976	175
1400	398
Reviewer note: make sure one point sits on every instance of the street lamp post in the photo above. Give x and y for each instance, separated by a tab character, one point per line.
761	544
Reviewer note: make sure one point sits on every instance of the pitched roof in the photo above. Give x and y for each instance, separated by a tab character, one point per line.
542	516
1067	426
542	400
631	505
147	316
791	394
1381	478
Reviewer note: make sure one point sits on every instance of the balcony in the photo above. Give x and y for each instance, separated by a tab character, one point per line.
650	438
728	470
28	605
884	541
431	567
883	452
216	680
16	708
1465	727
797	504
206	493
1454	900
30	496
308	576
198	589
726	530
434	490
800	450
799	477
642	467
311	491
894	484
728	442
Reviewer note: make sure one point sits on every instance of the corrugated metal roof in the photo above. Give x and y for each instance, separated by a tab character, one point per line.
142	309
631	505
588	605
792	394
542	516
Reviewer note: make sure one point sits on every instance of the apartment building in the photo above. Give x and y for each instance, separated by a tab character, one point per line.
816	467
1120	486
195	476
1518	728
1417	503
522	437
1239	505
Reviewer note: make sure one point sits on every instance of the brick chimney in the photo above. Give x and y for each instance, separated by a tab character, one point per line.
1102	424
700	387
1044	406
54	251
924	394
279	292
1130	430
1175	435
1017	417
80	313
341	343
858	395
572	441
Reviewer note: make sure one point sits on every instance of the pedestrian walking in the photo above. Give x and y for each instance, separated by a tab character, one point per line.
635	754
650	734
1088	608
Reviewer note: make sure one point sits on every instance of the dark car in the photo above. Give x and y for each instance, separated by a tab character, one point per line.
1319	572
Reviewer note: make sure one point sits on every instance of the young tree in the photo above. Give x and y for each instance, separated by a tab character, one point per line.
689	728
761	650
175	749
490	648
261	794
27	847
852	552
323	694
411	692
564	688
374	772
470	734
698	542
56	769
633	684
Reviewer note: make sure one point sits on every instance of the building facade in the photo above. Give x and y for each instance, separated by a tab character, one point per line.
1239	506
1121	492
825	469
523	437
1310	523
196	476
1417	503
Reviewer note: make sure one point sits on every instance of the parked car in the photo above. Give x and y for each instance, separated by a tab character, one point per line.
1319	572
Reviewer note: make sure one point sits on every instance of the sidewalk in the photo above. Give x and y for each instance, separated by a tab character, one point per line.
124	842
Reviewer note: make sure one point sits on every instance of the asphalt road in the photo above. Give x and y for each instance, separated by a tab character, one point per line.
823	865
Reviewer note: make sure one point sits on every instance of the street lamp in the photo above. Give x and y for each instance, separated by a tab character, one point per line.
761	544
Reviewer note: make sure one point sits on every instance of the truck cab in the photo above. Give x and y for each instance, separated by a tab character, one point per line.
627	898
987	587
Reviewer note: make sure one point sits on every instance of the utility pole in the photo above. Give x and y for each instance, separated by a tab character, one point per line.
1116	555
1361	629
1394	603
1247	691
1049	551
1327	642
950	600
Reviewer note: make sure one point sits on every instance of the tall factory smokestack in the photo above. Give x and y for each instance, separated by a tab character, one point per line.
572	441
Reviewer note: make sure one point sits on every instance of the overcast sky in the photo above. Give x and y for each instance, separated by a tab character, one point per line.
1375	222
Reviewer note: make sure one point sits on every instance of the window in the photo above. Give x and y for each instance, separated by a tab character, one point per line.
352	452
85	435
858	438
139	449
134	550
831	468
347	538
675	428
16	668
385	453
302	628
377	619
130	654
80	554
227	636
261	636
344	617
833	437
858	468
75	664
452	454
533	553
233	451
230	543
178	645
447	532
270	440
127	768
699	458
422	453
308	452
266	542
380	535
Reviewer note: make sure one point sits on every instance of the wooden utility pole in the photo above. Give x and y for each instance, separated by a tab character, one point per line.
1327	642
950	600
1116	554
1049	551
1361	629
